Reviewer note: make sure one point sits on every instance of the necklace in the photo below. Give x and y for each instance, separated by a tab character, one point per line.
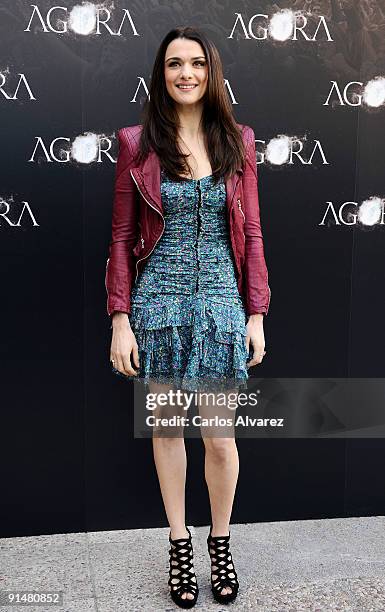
190	152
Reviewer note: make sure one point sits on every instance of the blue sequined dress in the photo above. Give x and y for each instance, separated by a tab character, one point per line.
186	312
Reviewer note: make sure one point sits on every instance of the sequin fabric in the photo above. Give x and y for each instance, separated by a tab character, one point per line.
186	312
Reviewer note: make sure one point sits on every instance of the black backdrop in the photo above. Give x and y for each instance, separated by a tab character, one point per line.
69	459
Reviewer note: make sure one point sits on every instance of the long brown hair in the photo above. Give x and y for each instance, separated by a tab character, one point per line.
224	144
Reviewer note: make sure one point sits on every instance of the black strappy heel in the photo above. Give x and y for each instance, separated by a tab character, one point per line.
182	577
225	573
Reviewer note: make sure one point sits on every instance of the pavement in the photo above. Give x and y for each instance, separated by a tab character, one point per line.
288	566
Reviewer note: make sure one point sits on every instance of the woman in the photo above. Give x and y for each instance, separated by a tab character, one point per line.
186	279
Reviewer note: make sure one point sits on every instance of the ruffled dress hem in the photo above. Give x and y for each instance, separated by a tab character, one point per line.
193	342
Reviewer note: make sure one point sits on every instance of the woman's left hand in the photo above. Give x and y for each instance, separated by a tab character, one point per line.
256	336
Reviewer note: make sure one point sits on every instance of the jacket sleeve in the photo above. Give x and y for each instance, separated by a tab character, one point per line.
120	267
256	275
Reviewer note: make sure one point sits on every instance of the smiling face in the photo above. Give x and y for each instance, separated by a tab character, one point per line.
185	65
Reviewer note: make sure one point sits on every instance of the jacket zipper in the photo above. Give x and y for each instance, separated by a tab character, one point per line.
105	283
269	290
164	224
232	196
240	208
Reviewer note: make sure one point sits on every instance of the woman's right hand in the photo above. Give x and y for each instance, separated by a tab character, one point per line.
123	343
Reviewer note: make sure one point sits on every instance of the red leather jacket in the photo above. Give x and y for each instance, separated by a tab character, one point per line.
138	223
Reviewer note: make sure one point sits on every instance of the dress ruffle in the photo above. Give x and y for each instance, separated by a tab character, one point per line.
191	342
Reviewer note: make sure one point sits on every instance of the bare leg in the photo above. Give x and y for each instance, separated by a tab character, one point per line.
221	470
171	463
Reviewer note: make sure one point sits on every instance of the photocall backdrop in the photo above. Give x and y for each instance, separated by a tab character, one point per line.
309	78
